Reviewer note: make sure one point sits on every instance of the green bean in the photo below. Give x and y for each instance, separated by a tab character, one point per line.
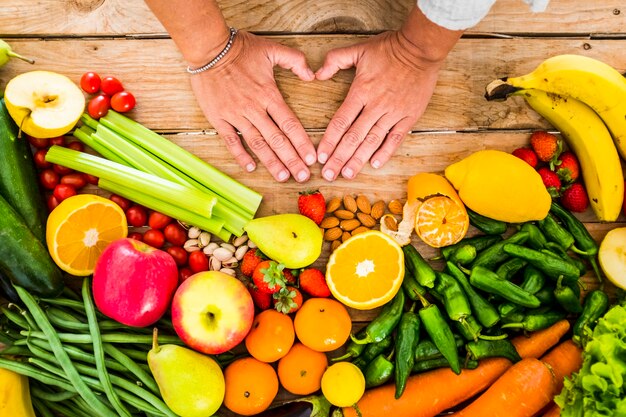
136	355
48	396
64	320
41	408
72	374
36	374
98	350
134	368
107	338
63	410
63	302
15	318
69	293
15	351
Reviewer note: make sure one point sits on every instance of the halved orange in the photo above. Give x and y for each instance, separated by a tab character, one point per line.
80	228
440	221
366	270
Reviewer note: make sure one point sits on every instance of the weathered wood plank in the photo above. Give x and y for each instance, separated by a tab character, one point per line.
118	17
154	71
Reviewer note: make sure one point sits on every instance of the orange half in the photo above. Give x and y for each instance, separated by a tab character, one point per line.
440	221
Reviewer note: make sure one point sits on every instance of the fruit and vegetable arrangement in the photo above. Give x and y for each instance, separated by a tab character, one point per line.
139	280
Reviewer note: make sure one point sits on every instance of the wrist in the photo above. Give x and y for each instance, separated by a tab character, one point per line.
207	47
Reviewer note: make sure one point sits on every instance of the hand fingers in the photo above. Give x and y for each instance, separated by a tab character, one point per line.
293	60
292	128
337	127
337	59
234	145
392	142
259	146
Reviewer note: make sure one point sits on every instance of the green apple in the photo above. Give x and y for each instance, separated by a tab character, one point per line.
291	239
44	104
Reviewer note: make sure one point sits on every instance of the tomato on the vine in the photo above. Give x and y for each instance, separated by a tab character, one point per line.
136	216
123	101
111	85
158	220
91	179
99	106
76	146
61	170
136	235
198	261
39	158
154	238
175	234
90	82
48	179
183	274
76	180
52	202
58	141
179	254
63	191
124	203
39	143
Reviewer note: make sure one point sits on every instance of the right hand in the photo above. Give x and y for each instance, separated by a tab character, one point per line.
240	94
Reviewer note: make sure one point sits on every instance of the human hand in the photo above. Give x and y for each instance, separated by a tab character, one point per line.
240	94
390	91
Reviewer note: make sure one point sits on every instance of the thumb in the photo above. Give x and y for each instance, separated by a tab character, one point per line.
293	60
337	59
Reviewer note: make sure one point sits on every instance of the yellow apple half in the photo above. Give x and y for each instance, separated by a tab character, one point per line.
44	104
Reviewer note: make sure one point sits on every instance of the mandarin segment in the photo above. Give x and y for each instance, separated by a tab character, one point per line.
440	221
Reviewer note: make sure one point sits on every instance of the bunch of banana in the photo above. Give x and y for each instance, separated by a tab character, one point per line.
585	99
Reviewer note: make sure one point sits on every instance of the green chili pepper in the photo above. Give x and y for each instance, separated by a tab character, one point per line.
486	313
411	287
371	351
508	269
514	317
464	255
426	349
485	224
567	298
546	296
353	350
536	239
421	270
552	266
479	243
440	333
384	323
555	250
407	338
482	349
596	304
533	281
539	320
430	364
470	328
489	281
555	232
495	254
379	370
454	300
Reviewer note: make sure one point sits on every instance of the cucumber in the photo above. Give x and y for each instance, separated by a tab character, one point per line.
18	177
23	258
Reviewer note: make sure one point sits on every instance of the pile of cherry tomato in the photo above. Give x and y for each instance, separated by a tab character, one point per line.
110	94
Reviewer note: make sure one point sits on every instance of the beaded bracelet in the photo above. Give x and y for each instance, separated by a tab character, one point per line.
219	56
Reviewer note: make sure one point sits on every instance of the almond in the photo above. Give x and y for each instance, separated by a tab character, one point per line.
349	225
329	222
349	203
363	203
333	204
344	214
391	223
345	236
360	229
335	245
332	234
366	219
378	209
395	206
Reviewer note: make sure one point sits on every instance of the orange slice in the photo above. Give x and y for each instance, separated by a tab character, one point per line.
80	228
366	270
440	221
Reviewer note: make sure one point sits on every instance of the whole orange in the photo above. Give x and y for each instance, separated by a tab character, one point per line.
300	371
251	386
323	324
271	336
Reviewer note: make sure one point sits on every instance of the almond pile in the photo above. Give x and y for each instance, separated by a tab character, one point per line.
349	216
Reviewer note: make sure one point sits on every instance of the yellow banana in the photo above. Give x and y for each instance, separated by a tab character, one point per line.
14	395
593	82
589	139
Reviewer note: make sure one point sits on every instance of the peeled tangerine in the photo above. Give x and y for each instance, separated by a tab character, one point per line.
612	256
500	186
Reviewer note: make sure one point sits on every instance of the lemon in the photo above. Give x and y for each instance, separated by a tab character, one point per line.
612	256
343	384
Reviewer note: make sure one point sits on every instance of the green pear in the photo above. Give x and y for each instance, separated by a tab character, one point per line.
291	239
191	384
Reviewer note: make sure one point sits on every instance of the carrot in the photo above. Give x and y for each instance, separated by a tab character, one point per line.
429	393
522	391
564	359
554	411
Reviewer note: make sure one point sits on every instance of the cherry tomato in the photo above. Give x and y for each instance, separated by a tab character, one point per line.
111	85
198	261
76	146
158	220
179	254
58	141
154	238
48	179
61	170
136	235
123	101
40	159
183	274
175	234
99	106
76	180
136	216
63	191
90	82
52	202
91	179
39	143
124	203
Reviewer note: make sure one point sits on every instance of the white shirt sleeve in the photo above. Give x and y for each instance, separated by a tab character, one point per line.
463	14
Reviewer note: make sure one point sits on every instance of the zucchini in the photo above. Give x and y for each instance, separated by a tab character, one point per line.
23	258
18	177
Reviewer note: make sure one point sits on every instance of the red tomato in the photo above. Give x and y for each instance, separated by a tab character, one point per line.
76	146
158	220
136	235
99	106
198	261
91	179
39	143
111	85
40	159
179	254
123	101
52	202
58	141
48	179
124	203
154	238
136	216
61	170
90	82
175	234
183	274
76	180
63	191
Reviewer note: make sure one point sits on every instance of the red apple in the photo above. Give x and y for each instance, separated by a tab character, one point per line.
212	312
133	283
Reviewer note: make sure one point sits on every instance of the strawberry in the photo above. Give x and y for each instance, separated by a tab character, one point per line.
288	300
567	167
313	282
261	299
527	155
312	205
289	277
575	198
249	262
268	276
551	181
546	146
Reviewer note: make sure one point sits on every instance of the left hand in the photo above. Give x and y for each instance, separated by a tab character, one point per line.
391	89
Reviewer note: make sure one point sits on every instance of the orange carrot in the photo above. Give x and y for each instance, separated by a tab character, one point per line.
522	391
429	393
554	411
564	359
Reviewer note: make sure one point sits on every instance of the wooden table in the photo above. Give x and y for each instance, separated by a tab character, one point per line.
122	38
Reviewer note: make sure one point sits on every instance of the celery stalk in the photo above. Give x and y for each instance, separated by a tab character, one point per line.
89	121
84	134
